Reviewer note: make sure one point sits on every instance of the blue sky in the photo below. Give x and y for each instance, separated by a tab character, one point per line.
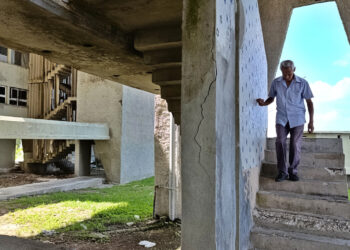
316	41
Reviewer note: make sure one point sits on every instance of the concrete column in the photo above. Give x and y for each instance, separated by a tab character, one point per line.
275	16
82	158
344	10
7	155
208	132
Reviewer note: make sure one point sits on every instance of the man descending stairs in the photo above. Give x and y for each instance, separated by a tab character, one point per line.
313	213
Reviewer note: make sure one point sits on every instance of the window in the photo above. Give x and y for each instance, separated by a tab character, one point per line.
2	94
18	97
3	54
16	58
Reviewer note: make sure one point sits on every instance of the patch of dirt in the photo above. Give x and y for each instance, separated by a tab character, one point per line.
167	236
17	179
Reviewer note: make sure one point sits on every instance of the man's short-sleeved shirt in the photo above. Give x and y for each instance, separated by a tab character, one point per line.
290	100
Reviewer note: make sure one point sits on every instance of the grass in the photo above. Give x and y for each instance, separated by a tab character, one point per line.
89	209
349	194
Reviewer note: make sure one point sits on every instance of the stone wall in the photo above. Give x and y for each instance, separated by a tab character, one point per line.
167	141
252	118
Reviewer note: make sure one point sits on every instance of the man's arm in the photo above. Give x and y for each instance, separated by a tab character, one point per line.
310	108
265	103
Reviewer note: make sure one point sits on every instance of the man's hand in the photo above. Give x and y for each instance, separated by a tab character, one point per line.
261	102
310	107
268	101
310	127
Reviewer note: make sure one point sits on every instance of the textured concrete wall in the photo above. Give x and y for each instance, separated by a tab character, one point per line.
7	154
137	141
100	100
252	118
17	77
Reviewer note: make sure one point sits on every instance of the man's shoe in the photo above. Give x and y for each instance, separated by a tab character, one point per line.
293	177
281	177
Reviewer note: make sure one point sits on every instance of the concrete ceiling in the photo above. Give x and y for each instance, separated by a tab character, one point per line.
94	36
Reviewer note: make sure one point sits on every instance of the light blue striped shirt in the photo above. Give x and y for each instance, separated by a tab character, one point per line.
290	100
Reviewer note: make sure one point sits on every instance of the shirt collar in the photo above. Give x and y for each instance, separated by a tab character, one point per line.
296	78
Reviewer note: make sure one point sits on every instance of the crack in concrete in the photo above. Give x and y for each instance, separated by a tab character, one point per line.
202	119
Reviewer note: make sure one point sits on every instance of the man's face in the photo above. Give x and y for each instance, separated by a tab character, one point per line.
287	74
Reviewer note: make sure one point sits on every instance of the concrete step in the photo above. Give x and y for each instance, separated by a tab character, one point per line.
320	225
264	238
321	205
314	145
316	187
320	160
50	186
269	169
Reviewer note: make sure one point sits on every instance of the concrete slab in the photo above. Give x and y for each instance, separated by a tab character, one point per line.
50	187
321	225
313	145
301	203
15	243
317	160
27	128
269	169
333	188
264	238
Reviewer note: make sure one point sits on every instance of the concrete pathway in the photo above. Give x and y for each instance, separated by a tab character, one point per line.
50	186
14	243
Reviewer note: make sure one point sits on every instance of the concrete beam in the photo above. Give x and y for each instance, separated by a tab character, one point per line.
68	35
275	16
344	11
26	128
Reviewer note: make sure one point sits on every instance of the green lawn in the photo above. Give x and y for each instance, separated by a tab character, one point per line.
89	209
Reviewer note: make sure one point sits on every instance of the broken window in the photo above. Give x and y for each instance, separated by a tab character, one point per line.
2	94
18	97
3	54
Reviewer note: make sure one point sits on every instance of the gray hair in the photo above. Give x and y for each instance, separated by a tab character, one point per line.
287	64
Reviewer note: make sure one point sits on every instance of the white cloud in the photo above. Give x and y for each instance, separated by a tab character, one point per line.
331	104
323	92
343	62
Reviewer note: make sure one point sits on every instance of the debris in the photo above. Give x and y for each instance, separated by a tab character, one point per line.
98	235
48	232
137	217
151	222
83	226
130	224
147	244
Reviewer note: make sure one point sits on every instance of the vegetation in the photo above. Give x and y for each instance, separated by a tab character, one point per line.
87	210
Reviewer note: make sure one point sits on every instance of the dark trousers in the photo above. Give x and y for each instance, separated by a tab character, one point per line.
296	134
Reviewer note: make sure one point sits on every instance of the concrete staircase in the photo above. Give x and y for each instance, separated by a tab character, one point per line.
313	213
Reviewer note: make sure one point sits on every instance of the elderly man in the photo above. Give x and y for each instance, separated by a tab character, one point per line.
290	91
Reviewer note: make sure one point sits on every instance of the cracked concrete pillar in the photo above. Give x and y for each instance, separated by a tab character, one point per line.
82	158
208	125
